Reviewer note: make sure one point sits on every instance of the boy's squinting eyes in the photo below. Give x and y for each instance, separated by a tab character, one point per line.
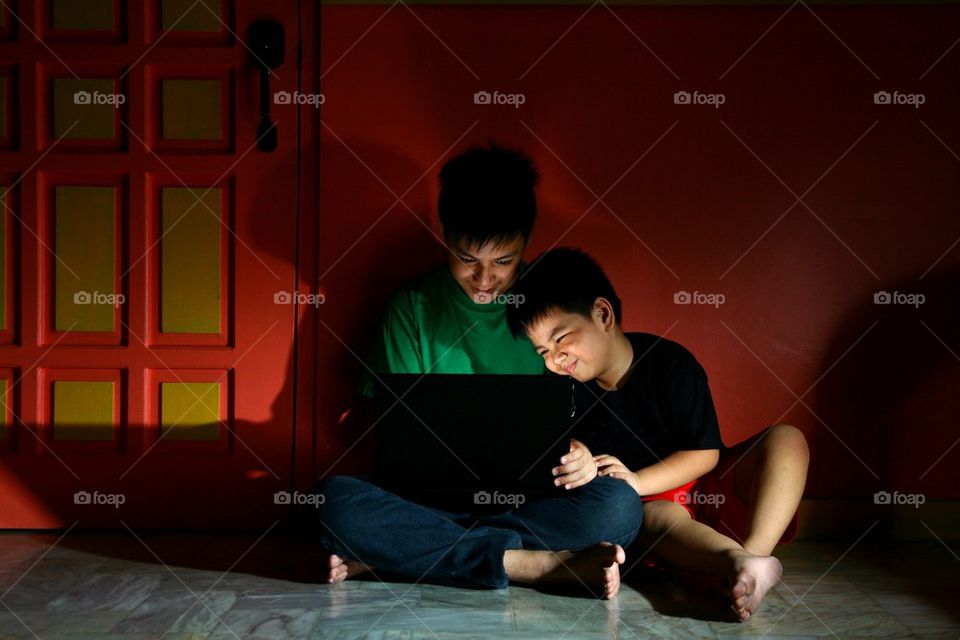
556	335
569	344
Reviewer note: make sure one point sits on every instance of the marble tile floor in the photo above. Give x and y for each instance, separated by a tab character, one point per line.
177	586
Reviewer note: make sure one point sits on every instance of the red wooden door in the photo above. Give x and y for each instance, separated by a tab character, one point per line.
148	253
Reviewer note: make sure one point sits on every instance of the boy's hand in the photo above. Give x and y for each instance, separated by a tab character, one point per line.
577	468
611	466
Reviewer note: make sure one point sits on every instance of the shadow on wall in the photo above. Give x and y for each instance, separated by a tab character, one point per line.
888	398
368	245
360	271
362	247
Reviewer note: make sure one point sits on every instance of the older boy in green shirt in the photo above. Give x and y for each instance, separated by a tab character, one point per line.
452	320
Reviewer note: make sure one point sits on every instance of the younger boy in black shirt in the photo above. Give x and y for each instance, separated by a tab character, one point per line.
646	407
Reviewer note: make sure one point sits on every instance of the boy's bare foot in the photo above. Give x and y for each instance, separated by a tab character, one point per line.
598	567
753	577
342	568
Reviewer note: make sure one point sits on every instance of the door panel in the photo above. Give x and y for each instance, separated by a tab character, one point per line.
146	363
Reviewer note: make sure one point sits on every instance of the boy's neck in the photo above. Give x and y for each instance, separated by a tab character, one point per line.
621	359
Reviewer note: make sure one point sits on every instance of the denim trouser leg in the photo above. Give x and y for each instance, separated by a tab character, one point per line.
361	521
603	510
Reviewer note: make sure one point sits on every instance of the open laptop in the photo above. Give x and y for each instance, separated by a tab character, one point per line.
471	441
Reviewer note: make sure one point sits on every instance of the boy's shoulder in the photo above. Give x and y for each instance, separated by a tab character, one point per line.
658	354
424	286
427	280
656	345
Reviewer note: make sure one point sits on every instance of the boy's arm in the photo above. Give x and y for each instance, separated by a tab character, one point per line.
675	470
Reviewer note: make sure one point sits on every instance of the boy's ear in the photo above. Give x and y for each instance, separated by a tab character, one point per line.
603	312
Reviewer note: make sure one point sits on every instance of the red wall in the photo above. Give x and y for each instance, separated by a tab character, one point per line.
801	297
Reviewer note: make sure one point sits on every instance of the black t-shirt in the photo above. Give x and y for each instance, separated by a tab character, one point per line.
663	407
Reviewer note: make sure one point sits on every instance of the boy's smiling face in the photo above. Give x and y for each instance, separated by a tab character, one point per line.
485	271
574	345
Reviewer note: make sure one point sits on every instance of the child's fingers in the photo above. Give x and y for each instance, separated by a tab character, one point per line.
579	483
612	468
568	468
576	454
571	478
576	445
606	462
620	475
583	479
571	465
565	479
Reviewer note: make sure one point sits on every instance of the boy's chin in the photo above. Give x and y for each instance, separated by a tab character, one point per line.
576	375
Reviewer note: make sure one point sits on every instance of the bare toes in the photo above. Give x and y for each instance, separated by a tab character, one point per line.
612	581
739	590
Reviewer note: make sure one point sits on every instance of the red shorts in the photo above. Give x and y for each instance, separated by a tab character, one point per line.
712	499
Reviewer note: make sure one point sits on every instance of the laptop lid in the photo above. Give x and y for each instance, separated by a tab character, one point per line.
469	433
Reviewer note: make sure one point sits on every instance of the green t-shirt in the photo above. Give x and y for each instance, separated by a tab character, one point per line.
432	326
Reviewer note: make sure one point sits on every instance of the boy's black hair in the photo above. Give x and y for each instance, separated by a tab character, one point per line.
487	195
563	279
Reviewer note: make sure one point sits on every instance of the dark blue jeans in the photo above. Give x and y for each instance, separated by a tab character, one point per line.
362	521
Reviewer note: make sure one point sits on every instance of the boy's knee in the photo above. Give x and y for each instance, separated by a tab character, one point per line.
618	507
788	438
663	515
334	497
616	492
